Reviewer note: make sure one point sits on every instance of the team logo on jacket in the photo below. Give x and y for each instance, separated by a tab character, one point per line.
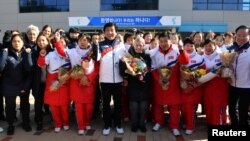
106	46
171	57
193	61
217	60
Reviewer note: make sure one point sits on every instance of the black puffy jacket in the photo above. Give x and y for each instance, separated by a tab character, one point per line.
14	67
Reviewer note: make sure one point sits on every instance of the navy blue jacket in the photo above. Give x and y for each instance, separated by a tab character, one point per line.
14	68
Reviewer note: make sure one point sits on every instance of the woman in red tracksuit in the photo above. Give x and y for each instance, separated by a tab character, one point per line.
216	90
58	99
167	55
191	98
82	95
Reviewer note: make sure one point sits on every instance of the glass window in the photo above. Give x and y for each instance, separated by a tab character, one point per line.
200	7
49	2
230	1
221	5
214	6
27	6
214	1
200	1
246	7
129	5
230	7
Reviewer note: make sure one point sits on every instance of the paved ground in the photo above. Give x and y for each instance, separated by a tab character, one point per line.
48	134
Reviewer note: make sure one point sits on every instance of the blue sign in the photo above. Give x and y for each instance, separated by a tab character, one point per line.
126	21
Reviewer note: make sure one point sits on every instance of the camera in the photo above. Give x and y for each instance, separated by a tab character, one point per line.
62	33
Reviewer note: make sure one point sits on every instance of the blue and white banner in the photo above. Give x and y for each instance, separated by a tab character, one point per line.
126	21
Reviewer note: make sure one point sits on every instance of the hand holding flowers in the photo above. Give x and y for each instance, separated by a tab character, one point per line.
227	59
135	66
63	77
164	75
190	78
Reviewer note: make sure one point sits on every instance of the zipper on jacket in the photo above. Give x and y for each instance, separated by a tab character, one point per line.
113	59
236	63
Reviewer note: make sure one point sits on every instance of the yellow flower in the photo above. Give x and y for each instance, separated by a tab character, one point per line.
202	71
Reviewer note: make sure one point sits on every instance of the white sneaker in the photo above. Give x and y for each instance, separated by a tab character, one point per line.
119	130
189	132
66	127
106	131
1	129
81	132
57	129
176	132
88	127
156	127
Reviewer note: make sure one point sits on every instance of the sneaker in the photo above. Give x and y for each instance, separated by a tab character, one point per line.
106	131
156	127
176	132
66	127
11	130
119	130
57	129
189	132
1	129
88	127
81	132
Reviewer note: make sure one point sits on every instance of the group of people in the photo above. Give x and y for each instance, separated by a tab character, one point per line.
142	73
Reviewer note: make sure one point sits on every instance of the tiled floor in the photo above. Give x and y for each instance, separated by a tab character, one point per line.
164	134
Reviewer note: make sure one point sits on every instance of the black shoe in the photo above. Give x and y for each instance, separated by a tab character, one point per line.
143	129
39	127
27	127
134	128
2	117
11	130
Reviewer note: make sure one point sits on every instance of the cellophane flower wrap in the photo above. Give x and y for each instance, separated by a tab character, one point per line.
227	60
135	66
164	75
189	77
63	77
79	72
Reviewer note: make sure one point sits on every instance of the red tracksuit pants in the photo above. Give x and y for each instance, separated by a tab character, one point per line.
60	115
188	114
216	115
83	114
174	115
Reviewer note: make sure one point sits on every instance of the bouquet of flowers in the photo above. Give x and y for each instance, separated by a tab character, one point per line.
164	75
77	72
54	86
63	77
189	78
227	59
135	66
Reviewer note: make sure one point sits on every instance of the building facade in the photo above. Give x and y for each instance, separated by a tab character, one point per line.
196	15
